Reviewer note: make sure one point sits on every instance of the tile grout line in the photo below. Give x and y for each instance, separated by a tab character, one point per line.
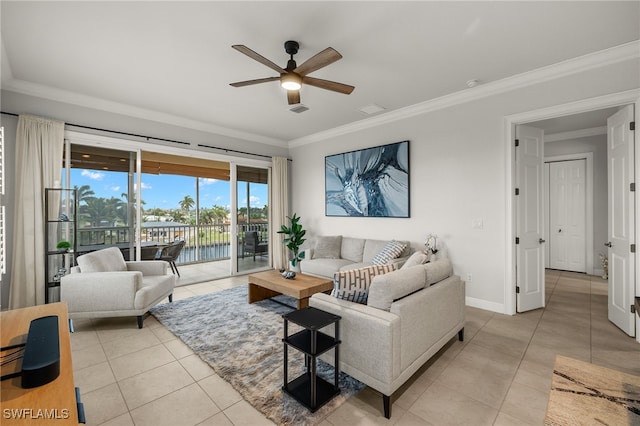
526	349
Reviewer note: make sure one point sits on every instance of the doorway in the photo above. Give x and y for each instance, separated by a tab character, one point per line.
533	118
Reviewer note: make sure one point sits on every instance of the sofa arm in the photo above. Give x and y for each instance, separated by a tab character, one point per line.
100	291
149	267
370	348
430	317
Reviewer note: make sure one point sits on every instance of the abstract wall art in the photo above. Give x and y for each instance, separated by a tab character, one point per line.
371	182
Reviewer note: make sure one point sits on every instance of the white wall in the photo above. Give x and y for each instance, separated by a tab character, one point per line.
458	174
598	146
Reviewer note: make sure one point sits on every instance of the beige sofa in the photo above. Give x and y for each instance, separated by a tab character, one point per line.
410	315
104	285
339	253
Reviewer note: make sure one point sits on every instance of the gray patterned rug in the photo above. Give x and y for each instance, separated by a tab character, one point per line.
243	344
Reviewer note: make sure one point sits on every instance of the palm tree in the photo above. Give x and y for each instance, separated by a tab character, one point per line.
220	213
84	193
186	203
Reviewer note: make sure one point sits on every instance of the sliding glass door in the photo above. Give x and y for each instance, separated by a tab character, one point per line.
252	200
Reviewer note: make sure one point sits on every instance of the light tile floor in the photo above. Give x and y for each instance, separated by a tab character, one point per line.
499	375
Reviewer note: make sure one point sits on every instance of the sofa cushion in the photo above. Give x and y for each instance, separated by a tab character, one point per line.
386	288
438	270
417	258
327	247
390	251
352	249
105	260
353	285
323	267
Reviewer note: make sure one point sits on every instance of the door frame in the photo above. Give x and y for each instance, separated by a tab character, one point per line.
510	122
588	157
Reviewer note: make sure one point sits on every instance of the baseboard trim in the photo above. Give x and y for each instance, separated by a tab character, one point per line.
485	304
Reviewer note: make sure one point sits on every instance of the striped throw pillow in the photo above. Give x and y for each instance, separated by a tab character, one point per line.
390	251
353	285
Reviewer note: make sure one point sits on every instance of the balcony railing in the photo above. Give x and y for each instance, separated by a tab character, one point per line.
203	243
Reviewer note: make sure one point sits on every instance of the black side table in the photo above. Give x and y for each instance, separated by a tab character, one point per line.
309	389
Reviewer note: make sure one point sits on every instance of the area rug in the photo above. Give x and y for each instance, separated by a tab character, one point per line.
243	343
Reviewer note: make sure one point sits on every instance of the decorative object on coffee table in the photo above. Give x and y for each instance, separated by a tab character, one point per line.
309	389
431	248
293	240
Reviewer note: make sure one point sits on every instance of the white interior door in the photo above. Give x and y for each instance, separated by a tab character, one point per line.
621	225
529	219
567	215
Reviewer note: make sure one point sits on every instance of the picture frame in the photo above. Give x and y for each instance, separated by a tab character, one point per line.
370	182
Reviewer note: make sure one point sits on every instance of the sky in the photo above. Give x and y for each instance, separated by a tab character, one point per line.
166	191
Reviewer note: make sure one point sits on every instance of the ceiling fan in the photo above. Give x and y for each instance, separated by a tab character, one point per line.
293	76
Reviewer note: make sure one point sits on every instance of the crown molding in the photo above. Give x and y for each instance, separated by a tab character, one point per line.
576	134
65	96
583	63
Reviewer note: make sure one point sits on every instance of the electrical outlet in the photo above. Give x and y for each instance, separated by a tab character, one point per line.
469	277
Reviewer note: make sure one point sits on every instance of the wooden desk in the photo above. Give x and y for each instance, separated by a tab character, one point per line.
50	404
587	394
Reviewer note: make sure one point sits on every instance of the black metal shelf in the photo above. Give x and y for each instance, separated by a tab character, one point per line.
309	389
300	389
302	342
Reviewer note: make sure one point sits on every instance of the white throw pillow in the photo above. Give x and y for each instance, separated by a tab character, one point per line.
105	260
353	284
417	258
390	251
327	247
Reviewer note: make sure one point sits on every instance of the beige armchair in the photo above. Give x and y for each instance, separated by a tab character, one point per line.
104	285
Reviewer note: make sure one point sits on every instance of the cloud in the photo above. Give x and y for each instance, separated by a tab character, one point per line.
115	188
92	175
144	186
207	181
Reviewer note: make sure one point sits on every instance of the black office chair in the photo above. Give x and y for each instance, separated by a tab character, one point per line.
252	244
171	253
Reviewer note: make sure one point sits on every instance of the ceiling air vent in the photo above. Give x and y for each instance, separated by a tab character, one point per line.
299	108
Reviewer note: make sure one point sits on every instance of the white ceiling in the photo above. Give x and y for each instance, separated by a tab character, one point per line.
174	59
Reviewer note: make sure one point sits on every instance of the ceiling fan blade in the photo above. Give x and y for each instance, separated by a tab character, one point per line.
293	96
257	81
256	56
328	85
322	59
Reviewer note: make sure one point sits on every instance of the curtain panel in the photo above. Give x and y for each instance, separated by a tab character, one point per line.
279	210
39	149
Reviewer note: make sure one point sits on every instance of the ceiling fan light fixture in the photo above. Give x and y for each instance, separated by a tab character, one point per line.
291	81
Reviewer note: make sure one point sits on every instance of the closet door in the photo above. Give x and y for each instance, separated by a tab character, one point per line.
567	215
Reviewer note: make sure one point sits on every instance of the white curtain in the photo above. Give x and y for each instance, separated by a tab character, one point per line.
279	210
39	147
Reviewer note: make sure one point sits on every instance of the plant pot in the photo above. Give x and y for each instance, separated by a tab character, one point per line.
296	268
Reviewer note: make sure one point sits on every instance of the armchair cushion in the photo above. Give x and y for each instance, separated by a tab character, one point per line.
327	247
105	260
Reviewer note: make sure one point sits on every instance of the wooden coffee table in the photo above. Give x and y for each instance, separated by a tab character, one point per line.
264	285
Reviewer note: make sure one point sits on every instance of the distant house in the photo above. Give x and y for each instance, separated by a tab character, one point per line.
163	231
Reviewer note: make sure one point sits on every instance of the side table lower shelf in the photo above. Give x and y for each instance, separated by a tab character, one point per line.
300	389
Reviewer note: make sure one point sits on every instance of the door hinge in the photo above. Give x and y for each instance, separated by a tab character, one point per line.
632	187
633	248
517	289
517	142
517	240
632	125
517	191
633	309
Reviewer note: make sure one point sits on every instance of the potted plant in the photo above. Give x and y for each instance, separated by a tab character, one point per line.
293	240
63	246
431	246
